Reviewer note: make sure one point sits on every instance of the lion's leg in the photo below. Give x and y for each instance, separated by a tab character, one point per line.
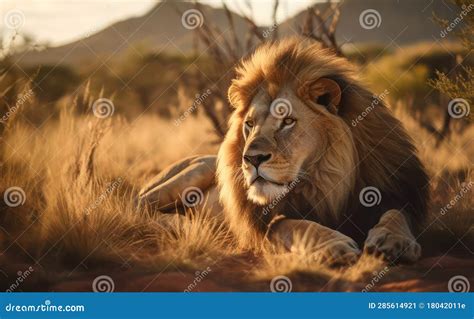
187	181
393	238
324	244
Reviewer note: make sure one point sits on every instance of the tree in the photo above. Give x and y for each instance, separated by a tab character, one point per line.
318	26
458	86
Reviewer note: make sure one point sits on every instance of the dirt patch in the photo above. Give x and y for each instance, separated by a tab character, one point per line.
233	274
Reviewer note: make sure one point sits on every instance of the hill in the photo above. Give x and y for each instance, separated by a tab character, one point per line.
398	22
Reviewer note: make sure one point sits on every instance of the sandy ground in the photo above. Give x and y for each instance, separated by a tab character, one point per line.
236	274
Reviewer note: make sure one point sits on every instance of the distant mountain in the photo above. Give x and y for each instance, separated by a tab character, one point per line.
388	22
399	22
161	29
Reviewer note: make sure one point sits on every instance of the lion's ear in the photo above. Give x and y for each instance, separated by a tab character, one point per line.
233	94
326	92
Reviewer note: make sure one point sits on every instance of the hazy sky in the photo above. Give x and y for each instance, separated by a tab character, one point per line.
61	21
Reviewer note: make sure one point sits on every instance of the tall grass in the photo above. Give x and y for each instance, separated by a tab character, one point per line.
81	175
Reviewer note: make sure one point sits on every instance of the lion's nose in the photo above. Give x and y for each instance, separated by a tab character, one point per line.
257	159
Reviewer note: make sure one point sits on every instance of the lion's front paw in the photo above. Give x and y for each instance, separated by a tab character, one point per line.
394	247
338	251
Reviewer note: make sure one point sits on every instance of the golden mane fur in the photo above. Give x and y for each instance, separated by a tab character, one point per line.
375	152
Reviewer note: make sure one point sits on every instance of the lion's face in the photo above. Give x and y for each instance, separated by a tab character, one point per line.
282	136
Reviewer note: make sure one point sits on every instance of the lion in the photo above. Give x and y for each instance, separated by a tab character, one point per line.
310	152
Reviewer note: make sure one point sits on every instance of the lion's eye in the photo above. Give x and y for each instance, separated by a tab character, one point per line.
249	123
288	121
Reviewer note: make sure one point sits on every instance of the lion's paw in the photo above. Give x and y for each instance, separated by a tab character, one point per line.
339	251
394	247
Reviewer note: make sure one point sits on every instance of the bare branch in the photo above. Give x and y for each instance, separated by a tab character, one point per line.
322	32
237	45
276	3
213	32
335	18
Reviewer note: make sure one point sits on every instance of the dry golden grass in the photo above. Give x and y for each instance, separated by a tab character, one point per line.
81	176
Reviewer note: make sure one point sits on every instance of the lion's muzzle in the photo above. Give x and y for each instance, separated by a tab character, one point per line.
256	159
